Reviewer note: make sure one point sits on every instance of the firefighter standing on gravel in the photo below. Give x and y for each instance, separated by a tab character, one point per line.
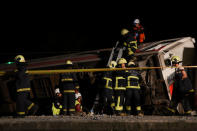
139	31
108	88
23	105
133	90
68	84
120	87
130	44
182	88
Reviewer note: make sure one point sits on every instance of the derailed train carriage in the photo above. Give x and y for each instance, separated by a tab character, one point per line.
157	84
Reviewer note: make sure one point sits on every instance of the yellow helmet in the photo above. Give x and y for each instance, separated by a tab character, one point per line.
131	63
122	61
69	62
175	60
124	31
19	58
112	64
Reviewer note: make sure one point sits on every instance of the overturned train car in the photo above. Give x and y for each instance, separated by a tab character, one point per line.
157	84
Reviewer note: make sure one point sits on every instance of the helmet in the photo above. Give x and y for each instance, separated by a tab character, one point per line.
136	21
124	31
19	58
175	60
122	61
69	62
131	63
112	64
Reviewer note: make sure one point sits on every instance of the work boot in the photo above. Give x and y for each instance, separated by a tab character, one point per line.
128	113
188	113
140	113
119	113
170	112
122	114
71	114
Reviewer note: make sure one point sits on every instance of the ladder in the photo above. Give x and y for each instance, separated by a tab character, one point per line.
116	53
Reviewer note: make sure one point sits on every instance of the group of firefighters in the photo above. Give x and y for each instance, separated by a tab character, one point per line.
121	89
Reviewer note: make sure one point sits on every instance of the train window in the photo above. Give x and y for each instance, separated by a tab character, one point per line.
167	62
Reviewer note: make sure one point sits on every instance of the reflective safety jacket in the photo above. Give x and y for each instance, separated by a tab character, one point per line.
120	81
22	78
139	33
133	77
129	40
56	109
108	80
68	83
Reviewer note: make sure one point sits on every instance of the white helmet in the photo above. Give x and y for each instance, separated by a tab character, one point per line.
136	21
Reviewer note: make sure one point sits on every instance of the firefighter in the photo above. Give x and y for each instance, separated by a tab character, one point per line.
130	44
67	85
138	31
23	105
108	88
133	90
182	90
120	87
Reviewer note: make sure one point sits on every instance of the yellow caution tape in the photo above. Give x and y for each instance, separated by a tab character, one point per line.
34	72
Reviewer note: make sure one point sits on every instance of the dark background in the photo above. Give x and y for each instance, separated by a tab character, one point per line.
41	30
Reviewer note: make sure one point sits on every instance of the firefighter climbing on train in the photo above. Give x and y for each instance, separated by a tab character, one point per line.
129	43
67	85
23	104
133	91
120	87
138	31
182	90
108	89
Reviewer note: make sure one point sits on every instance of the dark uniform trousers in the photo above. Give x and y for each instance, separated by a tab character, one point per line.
119	100
109	95
68	84
132	98
133	92
69	102
23	104
108	90
119	90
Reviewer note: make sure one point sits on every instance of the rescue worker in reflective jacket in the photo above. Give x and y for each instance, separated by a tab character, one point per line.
120	87
56	105
23	105
108	88
130	44
68	84
182	88
133	90
139	31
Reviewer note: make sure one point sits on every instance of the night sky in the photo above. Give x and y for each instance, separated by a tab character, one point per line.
38	31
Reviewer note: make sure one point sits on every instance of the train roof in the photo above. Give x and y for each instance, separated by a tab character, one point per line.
94	55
